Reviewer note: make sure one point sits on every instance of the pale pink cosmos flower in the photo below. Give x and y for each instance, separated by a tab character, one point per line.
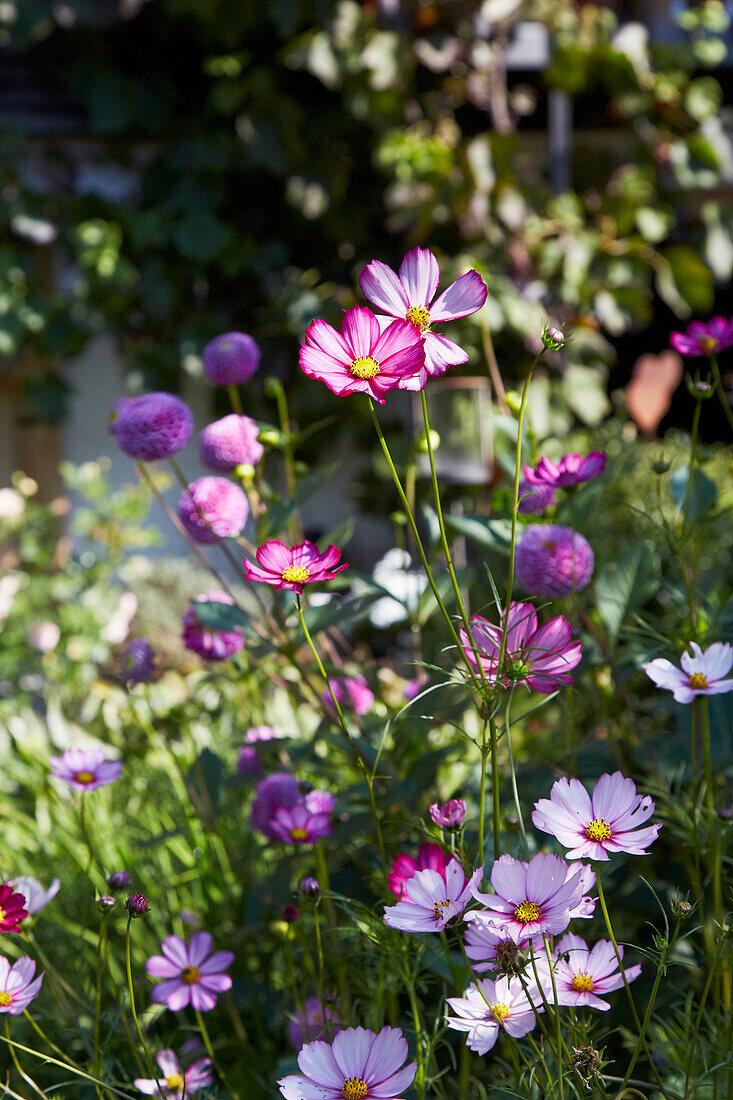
361	358
299	825
86	769
532	898
539	656
571	470
174	1083
701	673
283	567
489	946
433	899
35	894
591	826
192	974
357	1065
583	976
410	295
450	815
704	339
487	1007
17	985
404	867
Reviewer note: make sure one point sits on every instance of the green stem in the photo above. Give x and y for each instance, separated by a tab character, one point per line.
714	832
496	816
66	1066
131	993
42	1035
210	1051
720	391
650	1006
28	1080
417	1023
558	1025
513	774
693	456
235	399
482	794
98	993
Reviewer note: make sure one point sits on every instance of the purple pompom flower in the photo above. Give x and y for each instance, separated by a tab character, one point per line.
35	894
314	1021
532	898
433	899
358	1065
174	1083
704	339
583	976
231	358
299	825
213	508
86	769
138	662
230	442
591	826
571	470
450	815
119	880
192	974
154	425
278	790
248	761
553	560
350	691
539	656
701	673
17	985
533	499
212	645
487	1007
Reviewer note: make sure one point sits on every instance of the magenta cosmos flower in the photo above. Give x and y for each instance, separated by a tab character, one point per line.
583	976
701	673
535	897
230	442
152	426
410	295
231	358
570	471
404	867
553	560
173	1083
85	769
192	974
13	909
299	825
704	339
433	899
450	815
362	358
539	656
17	986
487	1007
282	567
212	645
352	691
358	1065
213	508
591	826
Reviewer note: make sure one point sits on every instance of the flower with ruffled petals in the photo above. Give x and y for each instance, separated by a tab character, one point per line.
410	295
358	1065
553	560
152	426
282	567
704	339
532	898
351	691
701	673
362	358
192	974
570	471
13	909
299	825
173	1084
583	976
86	769
591	826
17	985
35	896
213	508
450	815
404	867
539	656
433	899
315	1020
211	644
230	442
231	358
487	1007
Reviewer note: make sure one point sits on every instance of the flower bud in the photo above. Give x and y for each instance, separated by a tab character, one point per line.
290	913
310	887
270	437
553	338
105	903
119	880
513	401
136	905
421	443
660	467
681	907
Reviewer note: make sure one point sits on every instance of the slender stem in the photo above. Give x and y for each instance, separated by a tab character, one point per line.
29	1080
65	1065
131	992
482	793
558	1025
210	1051
419	1046
720	391
714	832
693	456
294	528
496	817
513	774
235	400
42	1034
494	371
98	993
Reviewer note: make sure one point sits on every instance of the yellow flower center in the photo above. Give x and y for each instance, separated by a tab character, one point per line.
698	680
190	975
708	343
501	1011
366	367
582	983
296	574
354	1089
438	906
5	999
527	912
175	1081
2	914
419	315
298	833
598	830
83	777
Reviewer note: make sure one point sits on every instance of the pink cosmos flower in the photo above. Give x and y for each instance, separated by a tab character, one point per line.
299	825
282	567
433	899
315	1020
35	895
192	974
13	910
410	295
278	790
85	769
358	1065
488	1007
532	898
173	1084
351	690
17	986
362	358
591	826
552	560
704	339
701	673
571	470
539	656
404	867
583	976
450	815
489	946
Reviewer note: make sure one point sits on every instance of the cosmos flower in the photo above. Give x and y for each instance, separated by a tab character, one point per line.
231	359
532	898
17	986
230	442
192	974
314	1021
173	1084
152	426
570	471
583	976
362	358
357	1065
539	656
13	909
353	691
35	895
702	673
275	791
212	508
488	1007
591	826
704	339
404	867
553	560
211	644
86	769
450	815
299	825
489	946
433	899
282	567
410	295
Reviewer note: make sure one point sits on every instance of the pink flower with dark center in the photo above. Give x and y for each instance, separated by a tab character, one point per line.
213	508
410	295
357	1065
450	815
404	867
13	909
591	826
231	358
192	974
17	985
86	769
299	825
701	673
553	560
314	1021
174	1083
212	645
570	471
539	656
352	691
362	358
282	567
152	426
532	898
433	899
487	1008
230	442
583	976
704	339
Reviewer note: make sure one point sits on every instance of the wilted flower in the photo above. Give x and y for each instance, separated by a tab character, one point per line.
404	867
138	662
450	815
583	976
230	442
152	426
433	899
213	508
231	359
571	470
212	645
137	905
702	673
17	987
173	1084
35	894
488	1007
12	909
539	656
704	339
357	1065
86	769
532	898
314	1021
282	567
553	560
351	691
192	974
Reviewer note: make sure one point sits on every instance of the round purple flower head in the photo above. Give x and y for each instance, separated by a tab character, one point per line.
154	425
314	1021
248	761
137	905
230	442
279	790
138	662
213	508
231	359
533	499
212	645
552	560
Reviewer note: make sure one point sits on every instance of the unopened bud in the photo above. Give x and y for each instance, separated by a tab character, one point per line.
245	473
310	887
681	907
513	401
421	443
660	467
119	880
105	903
290	913
270	437
553	338
136	905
